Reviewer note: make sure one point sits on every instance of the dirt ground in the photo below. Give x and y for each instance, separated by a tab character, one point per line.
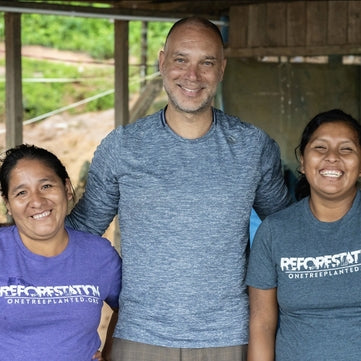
72	138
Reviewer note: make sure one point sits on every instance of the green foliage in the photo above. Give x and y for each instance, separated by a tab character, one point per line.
93	36
43	97
2	94
89	35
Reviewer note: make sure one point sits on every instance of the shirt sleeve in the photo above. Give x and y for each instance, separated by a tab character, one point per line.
262	270
115	280
99	203
272	194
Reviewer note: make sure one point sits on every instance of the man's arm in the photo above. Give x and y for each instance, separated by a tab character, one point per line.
99	203
272	194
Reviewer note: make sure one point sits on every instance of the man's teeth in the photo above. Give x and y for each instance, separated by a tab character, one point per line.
190	90
331	173
41	215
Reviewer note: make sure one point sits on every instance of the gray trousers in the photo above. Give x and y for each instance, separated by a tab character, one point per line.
124	350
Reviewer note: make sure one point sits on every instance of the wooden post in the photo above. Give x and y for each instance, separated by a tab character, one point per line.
121	72
13	103
146	98
143	55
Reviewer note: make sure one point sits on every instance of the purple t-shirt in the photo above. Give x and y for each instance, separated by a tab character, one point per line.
50	307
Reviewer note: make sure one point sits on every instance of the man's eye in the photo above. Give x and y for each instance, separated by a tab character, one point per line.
46	186
208	63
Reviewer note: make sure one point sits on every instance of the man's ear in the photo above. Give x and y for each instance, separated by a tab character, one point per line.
224	64
161	60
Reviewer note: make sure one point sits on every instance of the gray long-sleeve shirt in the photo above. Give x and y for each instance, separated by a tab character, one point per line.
184	208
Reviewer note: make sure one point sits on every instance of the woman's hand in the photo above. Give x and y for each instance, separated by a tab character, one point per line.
98	356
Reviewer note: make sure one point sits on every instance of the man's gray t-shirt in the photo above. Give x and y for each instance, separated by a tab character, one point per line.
184	208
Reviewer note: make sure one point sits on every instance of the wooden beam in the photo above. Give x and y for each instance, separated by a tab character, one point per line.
296	24
117	13
13	102
238	24
121	72
276	24
293	51
146	99
316	23
301	28
256	29
337	22
354	22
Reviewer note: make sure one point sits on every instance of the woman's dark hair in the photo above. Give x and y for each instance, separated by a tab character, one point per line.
332	116
25	151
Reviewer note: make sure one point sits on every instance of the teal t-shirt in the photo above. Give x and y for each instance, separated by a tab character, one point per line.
316	267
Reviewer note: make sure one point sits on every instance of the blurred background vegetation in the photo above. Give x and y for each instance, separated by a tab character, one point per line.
72	82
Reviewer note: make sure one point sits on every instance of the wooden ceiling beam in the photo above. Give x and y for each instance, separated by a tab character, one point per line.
119	10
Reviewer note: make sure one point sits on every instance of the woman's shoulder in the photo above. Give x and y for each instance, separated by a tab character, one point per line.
91	243
6	230
293	211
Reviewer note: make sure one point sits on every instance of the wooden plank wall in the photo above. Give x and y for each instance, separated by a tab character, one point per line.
295	29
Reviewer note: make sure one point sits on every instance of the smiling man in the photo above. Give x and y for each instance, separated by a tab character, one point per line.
192	65
183	182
